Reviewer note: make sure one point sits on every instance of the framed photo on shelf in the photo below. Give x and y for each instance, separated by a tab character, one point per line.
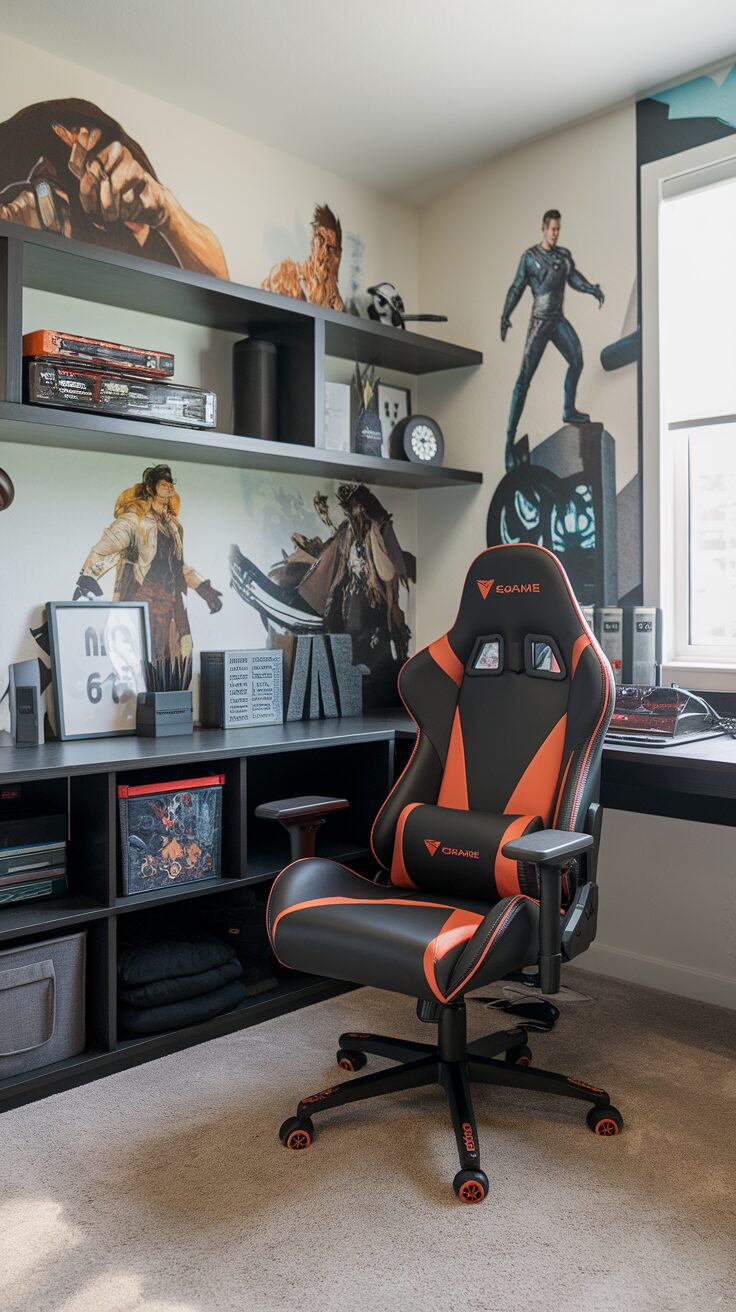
394	403
99	651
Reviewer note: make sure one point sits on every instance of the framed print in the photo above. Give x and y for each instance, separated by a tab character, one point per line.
99	652
394	403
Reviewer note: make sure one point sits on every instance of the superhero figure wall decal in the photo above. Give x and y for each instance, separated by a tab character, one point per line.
315	280
547	269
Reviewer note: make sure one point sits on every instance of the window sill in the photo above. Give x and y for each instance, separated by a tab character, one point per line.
705	676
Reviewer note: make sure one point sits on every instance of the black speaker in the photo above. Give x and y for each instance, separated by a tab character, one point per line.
26	716
254	388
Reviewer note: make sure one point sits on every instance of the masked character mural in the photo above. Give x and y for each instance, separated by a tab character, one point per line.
349	583
145	546
316	279
68	167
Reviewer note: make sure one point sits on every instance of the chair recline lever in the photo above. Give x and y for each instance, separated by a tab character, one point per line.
549	851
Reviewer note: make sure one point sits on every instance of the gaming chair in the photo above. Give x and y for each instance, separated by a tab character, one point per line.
490	840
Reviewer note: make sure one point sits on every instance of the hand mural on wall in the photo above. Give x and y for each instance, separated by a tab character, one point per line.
349	583
546	269
145	547
68	167
316	279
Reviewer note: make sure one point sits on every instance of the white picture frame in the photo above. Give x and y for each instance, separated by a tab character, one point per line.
99	653
394	403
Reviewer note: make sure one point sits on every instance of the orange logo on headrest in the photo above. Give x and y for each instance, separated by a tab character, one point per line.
485	586
431	845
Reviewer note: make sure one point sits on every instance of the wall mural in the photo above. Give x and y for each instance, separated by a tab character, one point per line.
145	546
561	492
68	167
315	280
348	583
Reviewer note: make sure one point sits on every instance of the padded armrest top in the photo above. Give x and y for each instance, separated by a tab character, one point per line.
547	846
300	808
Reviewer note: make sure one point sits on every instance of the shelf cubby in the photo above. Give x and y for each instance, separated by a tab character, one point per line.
353	758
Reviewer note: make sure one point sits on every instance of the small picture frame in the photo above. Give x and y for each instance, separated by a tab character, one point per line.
99	651
394	403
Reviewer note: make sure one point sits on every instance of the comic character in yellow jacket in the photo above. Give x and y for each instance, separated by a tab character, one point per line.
145	546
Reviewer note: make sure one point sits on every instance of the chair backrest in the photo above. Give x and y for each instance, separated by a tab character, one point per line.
512	704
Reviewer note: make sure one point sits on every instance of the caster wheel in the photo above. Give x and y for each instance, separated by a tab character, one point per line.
471	1186
605	1121
521	1055
351	1061
296	1133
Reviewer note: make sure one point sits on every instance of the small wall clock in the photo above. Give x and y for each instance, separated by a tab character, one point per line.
418	438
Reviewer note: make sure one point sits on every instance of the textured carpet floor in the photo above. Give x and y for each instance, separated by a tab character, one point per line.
165	1189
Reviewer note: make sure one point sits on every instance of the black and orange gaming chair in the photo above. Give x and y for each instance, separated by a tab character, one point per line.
490	839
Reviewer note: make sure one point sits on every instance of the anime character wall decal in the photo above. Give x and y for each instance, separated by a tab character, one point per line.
315	280
145	546
68	167
349	583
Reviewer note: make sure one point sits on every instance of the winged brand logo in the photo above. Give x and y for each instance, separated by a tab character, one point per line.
433	844
485	586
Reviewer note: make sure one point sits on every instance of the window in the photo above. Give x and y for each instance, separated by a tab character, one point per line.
696	225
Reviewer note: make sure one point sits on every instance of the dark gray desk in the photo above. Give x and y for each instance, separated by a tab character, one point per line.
696	781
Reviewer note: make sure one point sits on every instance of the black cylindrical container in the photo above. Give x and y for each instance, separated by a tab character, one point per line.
254	388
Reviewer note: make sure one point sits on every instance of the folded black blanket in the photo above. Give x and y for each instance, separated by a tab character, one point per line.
150	1020
162	992
142	963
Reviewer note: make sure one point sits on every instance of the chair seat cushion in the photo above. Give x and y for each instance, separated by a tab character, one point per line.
439	848
326	919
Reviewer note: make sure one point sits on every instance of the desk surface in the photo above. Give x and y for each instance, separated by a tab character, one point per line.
711	760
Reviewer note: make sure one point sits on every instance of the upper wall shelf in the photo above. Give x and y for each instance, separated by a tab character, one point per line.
304	335
91	273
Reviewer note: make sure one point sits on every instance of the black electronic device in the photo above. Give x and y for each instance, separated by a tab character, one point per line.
26	717
24	695
660	717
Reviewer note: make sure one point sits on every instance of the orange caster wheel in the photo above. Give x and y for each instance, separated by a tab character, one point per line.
296	1133
471	1186
605	1121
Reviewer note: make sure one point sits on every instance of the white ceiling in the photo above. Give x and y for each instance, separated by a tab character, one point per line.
403	95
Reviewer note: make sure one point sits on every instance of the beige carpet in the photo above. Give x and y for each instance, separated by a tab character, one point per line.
165	1188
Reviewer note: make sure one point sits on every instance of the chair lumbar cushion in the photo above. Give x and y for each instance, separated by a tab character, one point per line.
445	850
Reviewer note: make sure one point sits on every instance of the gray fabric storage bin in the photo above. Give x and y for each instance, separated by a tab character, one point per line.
41	1003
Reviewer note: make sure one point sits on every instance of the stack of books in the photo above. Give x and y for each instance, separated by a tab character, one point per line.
32	858
85	373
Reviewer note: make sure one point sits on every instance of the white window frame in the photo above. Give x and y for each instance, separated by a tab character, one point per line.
664	453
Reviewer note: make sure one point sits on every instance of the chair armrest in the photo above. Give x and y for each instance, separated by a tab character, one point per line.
300	808
549	850
549	847
301	817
